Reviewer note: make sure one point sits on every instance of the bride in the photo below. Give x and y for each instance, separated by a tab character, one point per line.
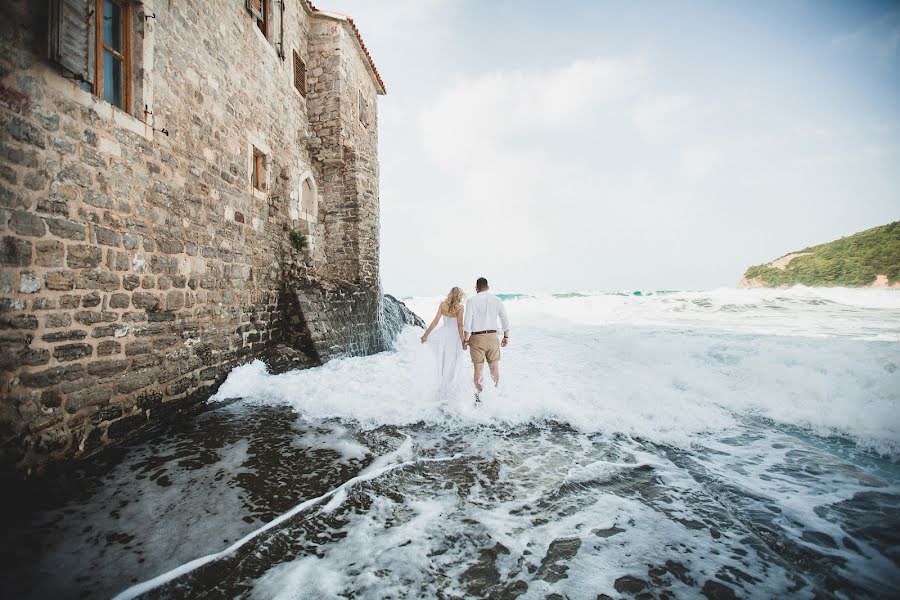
447	341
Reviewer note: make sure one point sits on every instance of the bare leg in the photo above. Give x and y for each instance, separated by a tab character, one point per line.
495	371
477	378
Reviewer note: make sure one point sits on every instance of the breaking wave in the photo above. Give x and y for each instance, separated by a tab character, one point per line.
665	367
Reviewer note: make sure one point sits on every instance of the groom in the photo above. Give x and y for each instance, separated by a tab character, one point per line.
480	326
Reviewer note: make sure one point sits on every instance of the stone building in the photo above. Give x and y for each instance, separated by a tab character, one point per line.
184	185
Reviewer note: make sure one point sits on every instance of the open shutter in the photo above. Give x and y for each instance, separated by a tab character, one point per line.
69	36
255	8
363	111
299	74
277	26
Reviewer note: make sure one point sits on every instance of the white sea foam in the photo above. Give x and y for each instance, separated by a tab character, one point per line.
666	367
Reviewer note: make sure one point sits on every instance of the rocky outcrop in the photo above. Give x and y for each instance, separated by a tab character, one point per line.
869	258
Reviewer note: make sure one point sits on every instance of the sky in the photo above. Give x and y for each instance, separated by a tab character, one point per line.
562	146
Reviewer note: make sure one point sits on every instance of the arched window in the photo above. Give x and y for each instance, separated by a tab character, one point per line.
309	203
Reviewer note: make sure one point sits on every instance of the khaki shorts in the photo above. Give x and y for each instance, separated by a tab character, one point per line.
484	345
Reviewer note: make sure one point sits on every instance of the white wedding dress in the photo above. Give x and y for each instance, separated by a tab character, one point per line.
446	346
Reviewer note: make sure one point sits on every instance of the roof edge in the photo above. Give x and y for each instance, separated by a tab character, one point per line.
350	26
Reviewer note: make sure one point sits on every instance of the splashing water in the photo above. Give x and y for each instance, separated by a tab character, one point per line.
725	443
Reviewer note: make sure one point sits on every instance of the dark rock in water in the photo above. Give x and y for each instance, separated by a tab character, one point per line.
718	591
484	574
282	358
397	315
559	551
629	584
605	533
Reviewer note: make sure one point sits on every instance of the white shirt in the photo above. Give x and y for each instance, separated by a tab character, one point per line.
482	311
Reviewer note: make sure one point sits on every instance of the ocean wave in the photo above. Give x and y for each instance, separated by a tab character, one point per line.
666	384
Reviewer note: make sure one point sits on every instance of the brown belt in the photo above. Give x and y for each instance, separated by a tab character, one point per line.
480	332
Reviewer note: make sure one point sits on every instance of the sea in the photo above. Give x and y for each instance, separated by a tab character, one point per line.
653	444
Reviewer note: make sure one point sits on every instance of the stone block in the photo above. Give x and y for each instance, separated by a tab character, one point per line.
19	129
36	181
67	229
11	305
70	352
60	281
83	256
89	396
169	246
53	206
119	300
107	368
64	336
28	224
52	376
29	283
69	301
131	241
15	252
55	320
131	281
107	237
180	386
136	381
175	300
19	322
45	303
134	348
144	300
90	317
49	253
90	300
144	361
108	348
107	330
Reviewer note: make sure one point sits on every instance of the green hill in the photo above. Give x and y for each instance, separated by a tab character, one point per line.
853	261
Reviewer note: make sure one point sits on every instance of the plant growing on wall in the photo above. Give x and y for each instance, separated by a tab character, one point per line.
298	239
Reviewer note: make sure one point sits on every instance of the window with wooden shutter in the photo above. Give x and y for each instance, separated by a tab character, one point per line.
71	25
256	8
299	74
262	14
363	111
258	174
91	41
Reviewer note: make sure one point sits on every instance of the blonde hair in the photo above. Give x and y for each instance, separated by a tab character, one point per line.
454	300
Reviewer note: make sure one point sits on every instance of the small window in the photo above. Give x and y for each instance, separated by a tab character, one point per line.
363	110
258	176
113	54
307	198
299	74
260	9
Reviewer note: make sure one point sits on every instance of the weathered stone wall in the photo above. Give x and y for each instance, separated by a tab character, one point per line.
138	268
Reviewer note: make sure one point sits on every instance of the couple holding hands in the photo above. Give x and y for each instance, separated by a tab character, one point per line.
472	328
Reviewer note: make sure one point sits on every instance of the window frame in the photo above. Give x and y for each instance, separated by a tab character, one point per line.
262	23
124	56
362	109
299	59
258	167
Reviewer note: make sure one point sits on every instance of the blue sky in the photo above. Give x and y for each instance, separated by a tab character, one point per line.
555	146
